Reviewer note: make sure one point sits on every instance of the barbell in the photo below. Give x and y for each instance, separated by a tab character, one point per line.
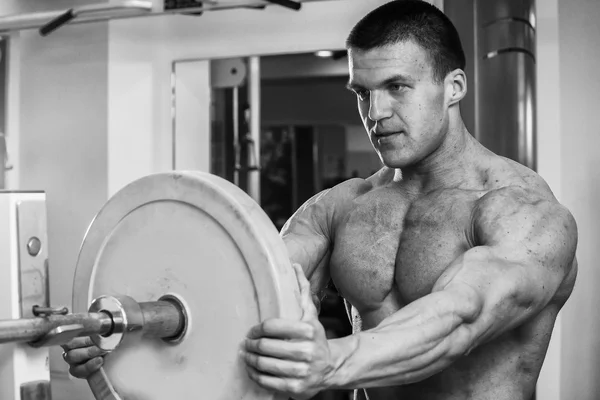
172	273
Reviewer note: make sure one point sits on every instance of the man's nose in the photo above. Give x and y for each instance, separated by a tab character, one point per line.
379	106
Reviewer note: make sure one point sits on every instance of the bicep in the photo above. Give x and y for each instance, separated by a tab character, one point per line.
517	225
307	236
312	252
526	249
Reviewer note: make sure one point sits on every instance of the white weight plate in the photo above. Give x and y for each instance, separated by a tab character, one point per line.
202	239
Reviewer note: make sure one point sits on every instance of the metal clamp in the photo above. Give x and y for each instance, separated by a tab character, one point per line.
126	316
47	311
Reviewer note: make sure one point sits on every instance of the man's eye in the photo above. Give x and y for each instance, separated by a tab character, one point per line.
396	87
362	94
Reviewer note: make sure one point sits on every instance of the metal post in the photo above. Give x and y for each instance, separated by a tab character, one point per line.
236	136
254	101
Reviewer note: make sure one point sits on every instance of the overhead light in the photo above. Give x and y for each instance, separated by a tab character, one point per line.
324	53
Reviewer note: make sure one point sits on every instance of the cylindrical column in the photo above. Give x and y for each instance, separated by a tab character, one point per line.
505	70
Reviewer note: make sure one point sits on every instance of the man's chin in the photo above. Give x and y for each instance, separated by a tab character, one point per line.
394	163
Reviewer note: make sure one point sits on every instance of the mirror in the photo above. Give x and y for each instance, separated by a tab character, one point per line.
283	128
311	136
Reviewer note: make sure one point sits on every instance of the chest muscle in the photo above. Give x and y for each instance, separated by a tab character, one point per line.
390	250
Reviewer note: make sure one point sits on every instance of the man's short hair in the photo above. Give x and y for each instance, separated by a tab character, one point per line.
402	20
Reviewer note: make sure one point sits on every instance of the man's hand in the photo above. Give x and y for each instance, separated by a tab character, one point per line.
83	357
290	357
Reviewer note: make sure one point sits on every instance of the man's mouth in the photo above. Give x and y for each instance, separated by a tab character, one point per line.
380	135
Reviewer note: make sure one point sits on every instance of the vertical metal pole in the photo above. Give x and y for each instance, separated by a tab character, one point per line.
4	110
476	75
254	101
3	161
236	136
506	57
173	117
294	156
316	161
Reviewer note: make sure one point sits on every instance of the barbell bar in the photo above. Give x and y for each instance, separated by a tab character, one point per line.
110	319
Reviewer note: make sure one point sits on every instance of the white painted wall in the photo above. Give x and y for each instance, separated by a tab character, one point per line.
549	160
579	35
56	132
192	116
569	159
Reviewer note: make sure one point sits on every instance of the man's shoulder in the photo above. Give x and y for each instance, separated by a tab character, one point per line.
506	177
509	209
328	203
515	196
350	189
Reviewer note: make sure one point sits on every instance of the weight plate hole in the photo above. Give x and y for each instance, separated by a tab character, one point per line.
183	322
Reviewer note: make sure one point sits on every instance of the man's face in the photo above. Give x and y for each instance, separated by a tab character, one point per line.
403	110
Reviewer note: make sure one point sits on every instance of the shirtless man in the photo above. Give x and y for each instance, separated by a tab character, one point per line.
454	262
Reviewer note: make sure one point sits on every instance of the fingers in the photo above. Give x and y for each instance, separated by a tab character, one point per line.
83	354
275	366
78	343
86	369
272	383
295	351
303	283
306	296
282	329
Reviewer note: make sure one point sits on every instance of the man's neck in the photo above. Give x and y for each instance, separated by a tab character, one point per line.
450	165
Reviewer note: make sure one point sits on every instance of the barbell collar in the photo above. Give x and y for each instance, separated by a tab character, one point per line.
164	319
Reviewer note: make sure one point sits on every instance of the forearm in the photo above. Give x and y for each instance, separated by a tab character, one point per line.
466	308
416	342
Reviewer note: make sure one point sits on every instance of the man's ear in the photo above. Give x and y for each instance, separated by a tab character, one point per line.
456	86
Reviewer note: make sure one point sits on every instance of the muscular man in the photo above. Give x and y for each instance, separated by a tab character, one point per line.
454	262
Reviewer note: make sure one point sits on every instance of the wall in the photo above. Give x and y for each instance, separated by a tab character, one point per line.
568	158
57	116
549	161
579	33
